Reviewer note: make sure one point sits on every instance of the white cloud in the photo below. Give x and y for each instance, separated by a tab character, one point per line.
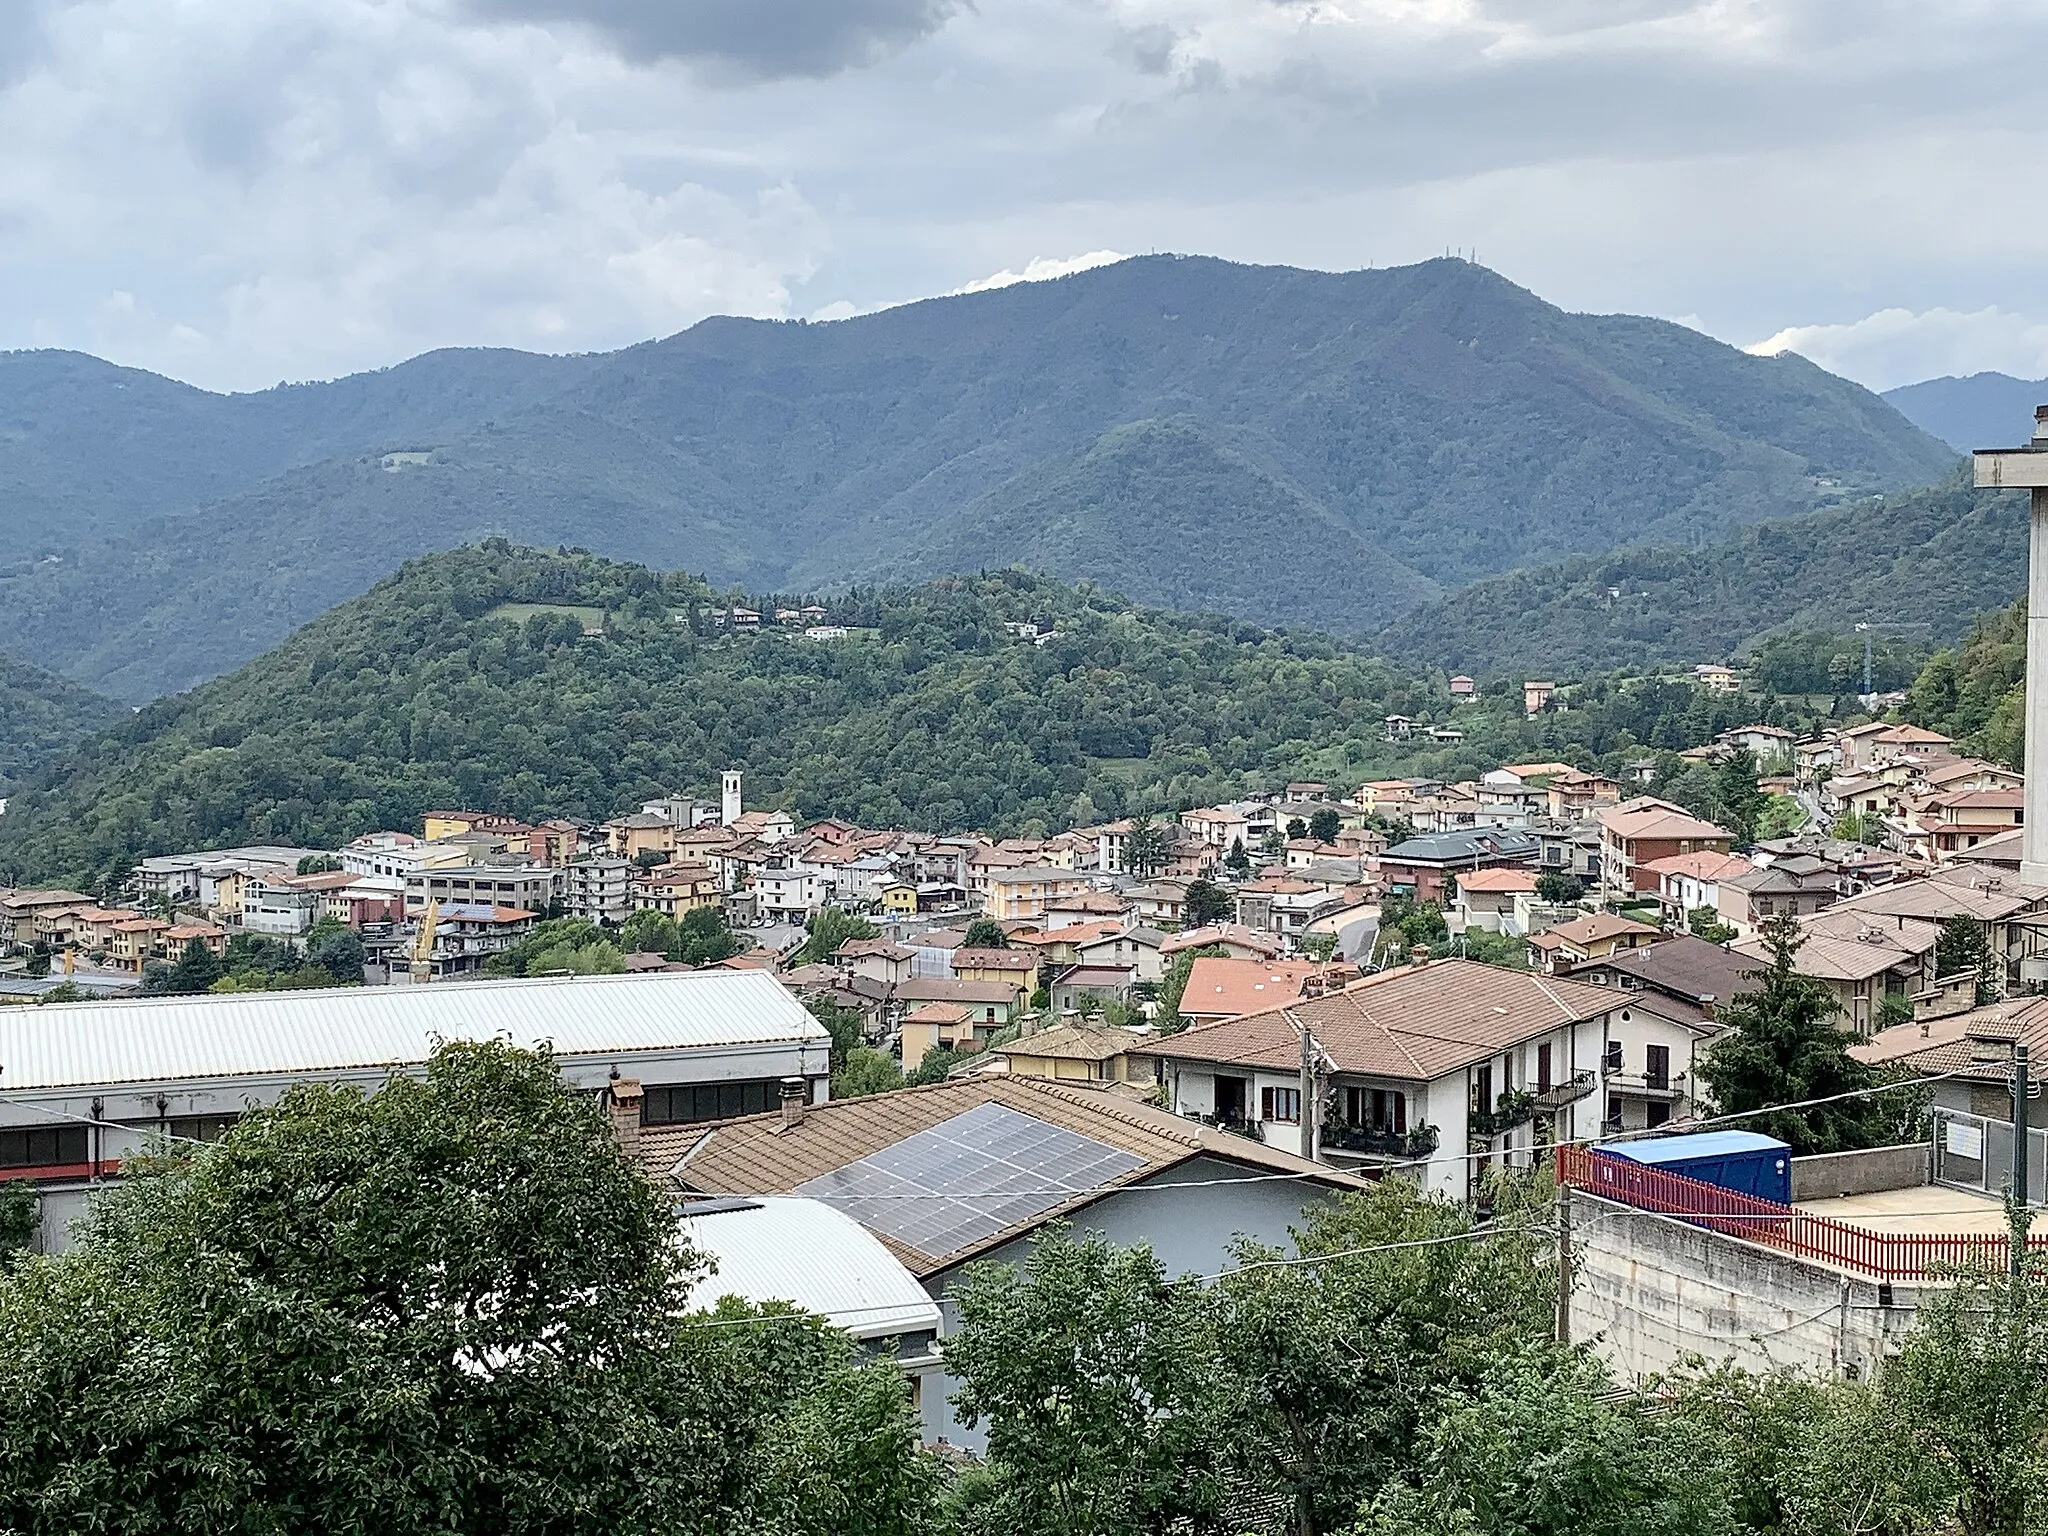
1898	346
1043	269
289	188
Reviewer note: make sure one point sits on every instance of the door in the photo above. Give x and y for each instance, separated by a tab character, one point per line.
1230	1100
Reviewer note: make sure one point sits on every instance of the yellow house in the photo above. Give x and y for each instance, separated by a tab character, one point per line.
936	1026
137	940
1080	1053
1014	967
899	899
1026	893
631	836
674	889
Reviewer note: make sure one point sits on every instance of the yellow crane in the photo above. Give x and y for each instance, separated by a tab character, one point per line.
423	943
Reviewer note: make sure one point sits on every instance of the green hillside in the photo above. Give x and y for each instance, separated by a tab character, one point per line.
414	694
1941	555
1976	691
41	717
1416	428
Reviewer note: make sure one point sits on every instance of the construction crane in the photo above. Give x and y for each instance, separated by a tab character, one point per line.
423	943
1867	629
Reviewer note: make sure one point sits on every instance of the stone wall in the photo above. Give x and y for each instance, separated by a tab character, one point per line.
1650	1292
1831	1175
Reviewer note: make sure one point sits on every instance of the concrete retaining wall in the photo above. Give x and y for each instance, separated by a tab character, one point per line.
1651	1292
1834	1174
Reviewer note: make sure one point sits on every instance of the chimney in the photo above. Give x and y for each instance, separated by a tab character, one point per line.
626	1097
793	1091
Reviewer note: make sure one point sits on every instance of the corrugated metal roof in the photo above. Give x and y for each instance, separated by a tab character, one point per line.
780	1248
268	1033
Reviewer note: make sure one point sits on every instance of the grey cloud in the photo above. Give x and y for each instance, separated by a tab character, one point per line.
758	38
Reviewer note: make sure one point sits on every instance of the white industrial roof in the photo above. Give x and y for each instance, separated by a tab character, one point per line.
780	1248
261	1034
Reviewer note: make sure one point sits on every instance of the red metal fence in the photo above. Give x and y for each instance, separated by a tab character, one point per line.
1882	1255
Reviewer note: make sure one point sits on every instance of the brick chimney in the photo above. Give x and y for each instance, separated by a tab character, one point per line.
794	1092
624	1103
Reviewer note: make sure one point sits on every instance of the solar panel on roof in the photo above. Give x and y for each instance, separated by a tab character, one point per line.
968	1178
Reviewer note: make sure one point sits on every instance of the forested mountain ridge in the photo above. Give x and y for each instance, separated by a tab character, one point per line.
1941	555
422	691
42	716
1427	425
1984	410
1976	692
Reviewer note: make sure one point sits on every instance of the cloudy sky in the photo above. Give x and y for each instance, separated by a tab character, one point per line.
241	191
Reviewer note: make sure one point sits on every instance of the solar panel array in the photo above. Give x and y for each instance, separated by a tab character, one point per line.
968	1178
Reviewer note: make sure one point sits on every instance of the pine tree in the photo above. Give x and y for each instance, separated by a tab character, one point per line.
1785	1046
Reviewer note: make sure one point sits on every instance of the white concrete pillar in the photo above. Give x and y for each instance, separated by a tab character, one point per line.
2034	846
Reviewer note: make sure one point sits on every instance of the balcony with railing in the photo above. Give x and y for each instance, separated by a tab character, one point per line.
1574	1088
1338	1136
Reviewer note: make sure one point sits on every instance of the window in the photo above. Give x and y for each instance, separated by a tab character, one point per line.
1657	1069
199	1127
56	1146
689	1103
1543	1067
1657	1112
1482	1089
1282	1104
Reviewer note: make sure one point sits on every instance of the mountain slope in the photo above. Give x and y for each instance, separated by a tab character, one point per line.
422	692
41	717
1985	410
1438	415
1941	556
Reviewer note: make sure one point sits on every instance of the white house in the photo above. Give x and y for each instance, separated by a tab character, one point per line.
1447	1066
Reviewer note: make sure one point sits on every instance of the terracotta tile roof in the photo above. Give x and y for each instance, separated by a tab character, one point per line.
949	989
994	960
1223	988
1497	880
1594	929
1944	1045
940	1013
1071	933
1074	1042
1414	1024
1705	864
758	1156
855	949
1659	820
1221	933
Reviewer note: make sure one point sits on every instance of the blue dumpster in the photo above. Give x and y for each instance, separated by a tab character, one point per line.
1742	1161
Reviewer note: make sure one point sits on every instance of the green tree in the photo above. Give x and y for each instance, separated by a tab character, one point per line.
830	927
1781	1044
648	932
937	1063
1961	948
704	936
841	1023
866	1071
1560	890
1319	947
337	949
318	1323
1144	848
1097	1382
20	1216
319	864
985	933
1541	1446
1738	801
197	968
1780	816
1296	827
1237	861
1334	1367
1325	824
1705	923
1206	904
1174	985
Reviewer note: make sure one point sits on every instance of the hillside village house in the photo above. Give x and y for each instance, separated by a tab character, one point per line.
1423	867
1714	677
1434	1061
1683	978
1796	885
1234	939
1219	988
1641	831
1557	951
1013	968
1015	894
1688	881
1075	1053
1944	825
1487	899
